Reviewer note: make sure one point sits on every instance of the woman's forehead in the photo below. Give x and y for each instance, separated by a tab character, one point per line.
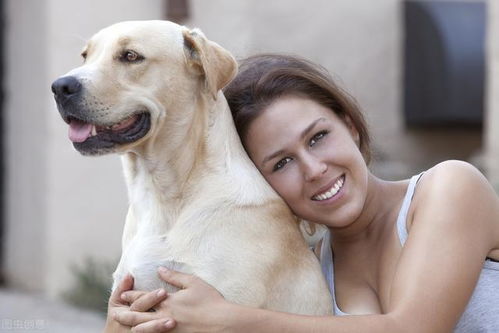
285	122
292	113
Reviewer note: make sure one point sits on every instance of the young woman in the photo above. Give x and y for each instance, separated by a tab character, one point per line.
418	255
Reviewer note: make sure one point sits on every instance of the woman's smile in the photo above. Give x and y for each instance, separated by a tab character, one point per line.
331	192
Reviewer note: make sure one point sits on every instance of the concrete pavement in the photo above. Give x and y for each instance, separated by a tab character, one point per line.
23	312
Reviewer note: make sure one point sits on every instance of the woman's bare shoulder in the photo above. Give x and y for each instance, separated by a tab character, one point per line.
457	192
454	177
456	186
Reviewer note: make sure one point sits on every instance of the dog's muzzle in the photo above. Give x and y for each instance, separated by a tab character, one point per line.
89	135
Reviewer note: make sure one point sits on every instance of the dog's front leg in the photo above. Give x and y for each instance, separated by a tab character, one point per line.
129	232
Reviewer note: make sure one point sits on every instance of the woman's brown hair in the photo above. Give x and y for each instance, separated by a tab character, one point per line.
264	78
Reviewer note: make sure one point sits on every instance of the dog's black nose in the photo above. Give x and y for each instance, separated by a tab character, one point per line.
66	86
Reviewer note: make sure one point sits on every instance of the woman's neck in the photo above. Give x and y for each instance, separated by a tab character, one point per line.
380	210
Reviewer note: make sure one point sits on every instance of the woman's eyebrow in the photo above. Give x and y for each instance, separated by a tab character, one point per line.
302	135
271	156
310	127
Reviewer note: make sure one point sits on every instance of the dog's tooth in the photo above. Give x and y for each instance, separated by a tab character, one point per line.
94	130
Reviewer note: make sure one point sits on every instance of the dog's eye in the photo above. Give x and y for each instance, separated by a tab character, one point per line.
131	56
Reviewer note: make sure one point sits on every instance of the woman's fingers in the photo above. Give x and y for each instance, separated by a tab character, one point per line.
125	285
155	326
131	296
179	280
132	318
148	300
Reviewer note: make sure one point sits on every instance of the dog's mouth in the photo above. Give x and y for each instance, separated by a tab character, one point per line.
89	138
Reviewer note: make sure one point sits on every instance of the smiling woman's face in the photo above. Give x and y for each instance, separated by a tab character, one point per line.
311	158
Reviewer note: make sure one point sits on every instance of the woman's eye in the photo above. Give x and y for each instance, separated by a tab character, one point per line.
279	165
317	137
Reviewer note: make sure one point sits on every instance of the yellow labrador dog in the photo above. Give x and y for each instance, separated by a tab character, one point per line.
150	90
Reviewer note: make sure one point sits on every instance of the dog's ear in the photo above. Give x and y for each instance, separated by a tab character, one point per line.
209	60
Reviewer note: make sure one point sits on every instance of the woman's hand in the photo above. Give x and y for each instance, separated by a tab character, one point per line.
196	307
118	304
115	305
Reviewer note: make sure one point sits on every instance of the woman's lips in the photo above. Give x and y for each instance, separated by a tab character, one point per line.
330	190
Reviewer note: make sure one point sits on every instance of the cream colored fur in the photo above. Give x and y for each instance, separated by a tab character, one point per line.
197	203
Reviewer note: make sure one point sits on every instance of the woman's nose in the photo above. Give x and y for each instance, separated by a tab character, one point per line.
314	169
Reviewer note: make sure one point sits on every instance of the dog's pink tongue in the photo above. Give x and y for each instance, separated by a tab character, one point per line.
79	131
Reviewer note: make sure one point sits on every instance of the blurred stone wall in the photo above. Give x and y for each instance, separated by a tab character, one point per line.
361	43
61	207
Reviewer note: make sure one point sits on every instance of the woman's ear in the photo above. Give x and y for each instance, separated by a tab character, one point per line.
352	129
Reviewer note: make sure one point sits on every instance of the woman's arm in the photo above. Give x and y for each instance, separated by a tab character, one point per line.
198	307
454	225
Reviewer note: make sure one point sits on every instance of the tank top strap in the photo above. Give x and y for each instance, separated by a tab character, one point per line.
326	260
402	216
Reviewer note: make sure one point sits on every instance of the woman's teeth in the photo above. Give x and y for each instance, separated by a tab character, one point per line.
331	192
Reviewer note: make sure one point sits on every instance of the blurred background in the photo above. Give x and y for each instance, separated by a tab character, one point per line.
425	73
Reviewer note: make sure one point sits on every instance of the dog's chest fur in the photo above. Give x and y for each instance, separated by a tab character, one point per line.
142	258
188	235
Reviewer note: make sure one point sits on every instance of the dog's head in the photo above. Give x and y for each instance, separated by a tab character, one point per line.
134	76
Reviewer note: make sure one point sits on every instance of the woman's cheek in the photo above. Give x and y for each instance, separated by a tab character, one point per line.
285	182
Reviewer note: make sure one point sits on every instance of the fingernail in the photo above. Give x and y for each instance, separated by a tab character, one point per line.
161	293
123	297
168	323
163	269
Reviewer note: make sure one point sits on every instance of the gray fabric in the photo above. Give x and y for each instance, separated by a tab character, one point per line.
481	313
326	259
